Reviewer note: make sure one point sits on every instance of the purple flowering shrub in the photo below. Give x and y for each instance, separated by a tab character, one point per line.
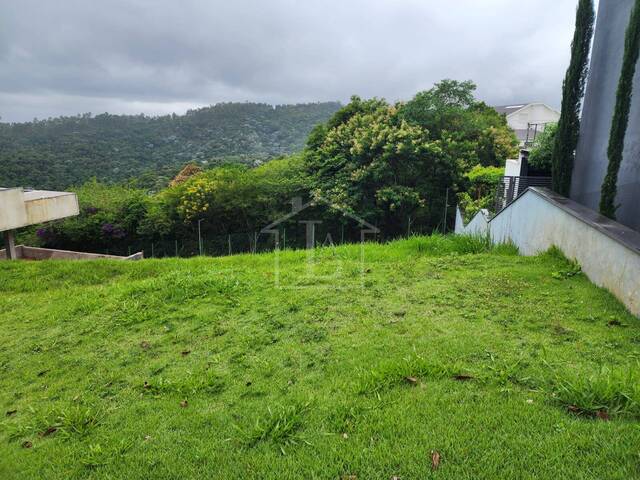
111	231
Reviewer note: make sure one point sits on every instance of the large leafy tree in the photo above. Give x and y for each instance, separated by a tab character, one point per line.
389	163
471	135
621	114
482	182
370	162
470	130
573	86
235	198
541	155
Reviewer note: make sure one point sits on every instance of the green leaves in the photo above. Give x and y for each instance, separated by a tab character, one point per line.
541	155
373	163
60	152
572	92
621	114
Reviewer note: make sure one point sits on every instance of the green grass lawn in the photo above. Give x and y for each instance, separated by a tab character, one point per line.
507	367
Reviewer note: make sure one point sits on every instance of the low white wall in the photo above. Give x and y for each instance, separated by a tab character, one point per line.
478	225
35	253
539	220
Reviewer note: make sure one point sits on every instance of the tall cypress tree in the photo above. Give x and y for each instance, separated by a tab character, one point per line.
621	114
572	92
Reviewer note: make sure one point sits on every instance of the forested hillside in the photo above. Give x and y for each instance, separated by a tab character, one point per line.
65	151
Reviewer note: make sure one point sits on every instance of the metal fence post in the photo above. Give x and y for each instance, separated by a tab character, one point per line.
200	248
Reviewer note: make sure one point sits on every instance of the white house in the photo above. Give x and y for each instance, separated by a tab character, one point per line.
528	119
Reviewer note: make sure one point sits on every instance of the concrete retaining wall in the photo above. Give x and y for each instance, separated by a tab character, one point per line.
608	252
33	253
478	225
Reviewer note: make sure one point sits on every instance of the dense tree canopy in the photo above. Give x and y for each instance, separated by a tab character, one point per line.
374	164
541	155
468	129
388	163
480	191
60	152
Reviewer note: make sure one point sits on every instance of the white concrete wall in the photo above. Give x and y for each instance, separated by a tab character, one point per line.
40	210
534	113
13	213
478	225
512	168
459	230
19	208
534	224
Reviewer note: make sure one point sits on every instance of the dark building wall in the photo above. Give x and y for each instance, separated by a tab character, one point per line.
591	157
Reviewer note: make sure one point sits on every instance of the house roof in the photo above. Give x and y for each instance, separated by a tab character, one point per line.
509	109
516	107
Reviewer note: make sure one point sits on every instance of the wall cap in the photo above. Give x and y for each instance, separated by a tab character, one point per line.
612	229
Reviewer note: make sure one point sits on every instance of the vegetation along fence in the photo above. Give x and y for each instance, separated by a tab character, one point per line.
291	236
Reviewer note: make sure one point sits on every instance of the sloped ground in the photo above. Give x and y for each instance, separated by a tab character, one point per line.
501	366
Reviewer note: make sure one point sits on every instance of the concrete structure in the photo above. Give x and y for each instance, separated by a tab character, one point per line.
478	225
518	167
34	253
19	208
608	252
528	119
513	168
591	157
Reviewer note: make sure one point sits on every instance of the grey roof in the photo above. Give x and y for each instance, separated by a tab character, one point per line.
509	109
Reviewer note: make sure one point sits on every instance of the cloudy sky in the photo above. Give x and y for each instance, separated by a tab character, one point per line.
63	57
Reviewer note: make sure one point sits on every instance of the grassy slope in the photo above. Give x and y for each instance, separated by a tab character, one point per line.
309	382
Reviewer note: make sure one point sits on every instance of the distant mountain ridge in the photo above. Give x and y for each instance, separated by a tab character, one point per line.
64	151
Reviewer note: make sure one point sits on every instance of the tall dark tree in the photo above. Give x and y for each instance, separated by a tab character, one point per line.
621	114
572	93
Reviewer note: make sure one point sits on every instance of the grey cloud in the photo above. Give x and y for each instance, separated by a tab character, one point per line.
159	56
